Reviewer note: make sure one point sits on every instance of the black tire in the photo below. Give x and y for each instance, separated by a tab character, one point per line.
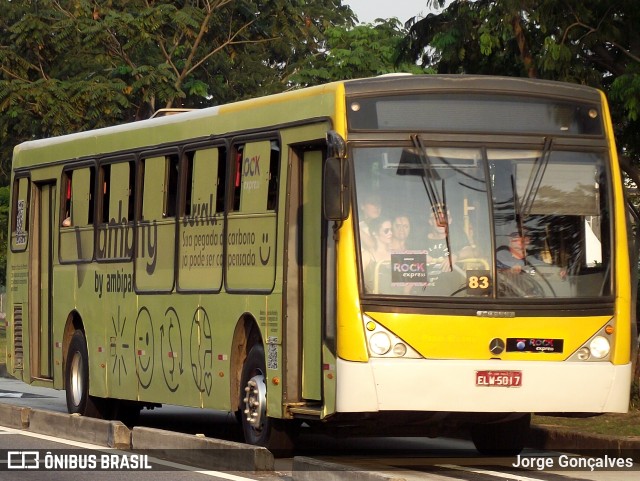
505	438
77	379
127	412
258	428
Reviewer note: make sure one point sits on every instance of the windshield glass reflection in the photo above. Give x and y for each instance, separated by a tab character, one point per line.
482	223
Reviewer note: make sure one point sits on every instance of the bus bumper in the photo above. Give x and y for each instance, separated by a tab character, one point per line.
451	386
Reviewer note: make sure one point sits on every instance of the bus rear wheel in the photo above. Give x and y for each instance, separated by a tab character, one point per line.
506	438
77	379
258	428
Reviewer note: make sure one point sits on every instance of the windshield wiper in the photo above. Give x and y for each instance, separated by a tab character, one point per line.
428	180
438	205
535	179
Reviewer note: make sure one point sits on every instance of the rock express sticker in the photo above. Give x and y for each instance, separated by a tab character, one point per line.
529	344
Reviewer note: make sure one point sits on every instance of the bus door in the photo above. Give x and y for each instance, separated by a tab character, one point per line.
41	328
304	280
311	274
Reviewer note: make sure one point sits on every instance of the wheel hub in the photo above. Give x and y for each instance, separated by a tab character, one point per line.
255	401
76	379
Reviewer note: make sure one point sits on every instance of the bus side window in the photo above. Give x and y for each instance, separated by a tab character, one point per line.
256	176
77	203
204	195
237	177
171	185
274	175
105	182
66	202
20	214
76	214
117	196
159	191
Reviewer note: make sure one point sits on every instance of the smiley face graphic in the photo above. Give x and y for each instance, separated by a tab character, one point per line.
144	347
265	243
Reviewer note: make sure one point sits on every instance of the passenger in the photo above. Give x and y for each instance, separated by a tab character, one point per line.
439	257
372	259
401	230
371	211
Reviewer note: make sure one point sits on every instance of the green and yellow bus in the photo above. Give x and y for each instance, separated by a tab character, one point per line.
409	252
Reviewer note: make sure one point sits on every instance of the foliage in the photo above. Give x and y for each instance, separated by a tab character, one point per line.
72	65
592	42
356	52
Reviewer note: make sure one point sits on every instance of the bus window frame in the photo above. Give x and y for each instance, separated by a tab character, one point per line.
142	157
93	186
99	202
183	190
232	212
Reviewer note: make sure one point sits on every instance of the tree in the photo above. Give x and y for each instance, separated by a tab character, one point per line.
592	42
72	65
356	52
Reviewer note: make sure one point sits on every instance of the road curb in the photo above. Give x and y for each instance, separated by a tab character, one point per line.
552	439
207	453
112	434
201	452
15	417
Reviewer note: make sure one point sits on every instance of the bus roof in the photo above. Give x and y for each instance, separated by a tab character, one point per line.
272	110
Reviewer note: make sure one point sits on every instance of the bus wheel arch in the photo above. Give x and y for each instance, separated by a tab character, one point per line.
76	371
249	386
246	334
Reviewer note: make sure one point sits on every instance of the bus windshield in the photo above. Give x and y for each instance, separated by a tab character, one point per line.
482	223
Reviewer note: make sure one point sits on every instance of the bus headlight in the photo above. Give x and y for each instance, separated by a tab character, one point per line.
400	349
380	343
599	347
584	353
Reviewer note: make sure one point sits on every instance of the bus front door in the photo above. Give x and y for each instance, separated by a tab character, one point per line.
311	275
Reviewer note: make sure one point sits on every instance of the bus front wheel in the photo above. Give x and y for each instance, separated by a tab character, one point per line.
506	438
77	378
258	428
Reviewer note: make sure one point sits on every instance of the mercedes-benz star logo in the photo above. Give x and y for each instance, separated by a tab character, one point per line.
496	346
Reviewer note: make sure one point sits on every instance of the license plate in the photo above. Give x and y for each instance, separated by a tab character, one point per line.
499	378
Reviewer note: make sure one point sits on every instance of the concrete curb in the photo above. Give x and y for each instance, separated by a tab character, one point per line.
552	439
207	453
113	434
201	452
15	417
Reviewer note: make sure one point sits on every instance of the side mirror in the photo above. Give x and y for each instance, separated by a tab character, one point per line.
336	189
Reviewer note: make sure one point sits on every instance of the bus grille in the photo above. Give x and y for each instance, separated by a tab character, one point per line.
18	352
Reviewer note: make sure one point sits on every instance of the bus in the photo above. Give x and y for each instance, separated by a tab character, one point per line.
395	254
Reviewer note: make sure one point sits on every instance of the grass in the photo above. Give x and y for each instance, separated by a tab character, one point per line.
626	425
